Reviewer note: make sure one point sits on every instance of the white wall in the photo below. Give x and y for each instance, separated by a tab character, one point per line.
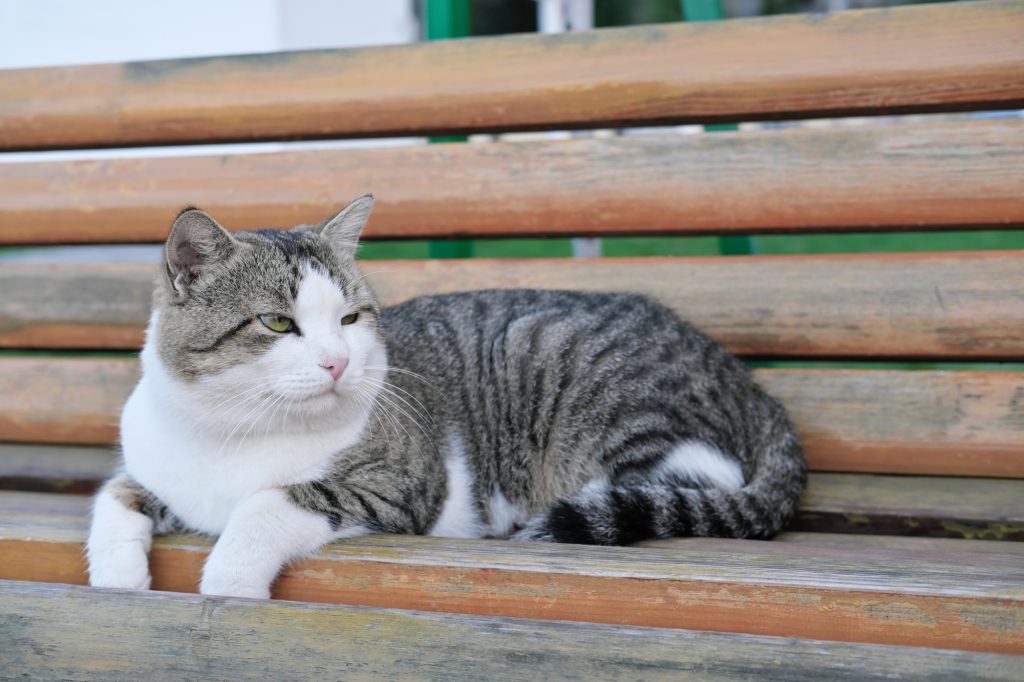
59	32
54	32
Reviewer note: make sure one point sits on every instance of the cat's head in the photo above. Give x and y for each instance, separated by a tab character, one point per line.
269	324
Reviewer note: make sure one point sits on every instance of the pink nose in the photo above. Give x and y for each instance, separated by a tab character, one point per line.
336	367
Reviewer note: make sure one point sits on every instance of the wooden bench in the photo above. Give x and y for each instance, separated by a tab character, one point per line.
902	559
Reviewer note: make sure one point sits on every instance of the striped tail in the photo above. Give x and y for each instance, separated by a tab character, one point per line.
621	515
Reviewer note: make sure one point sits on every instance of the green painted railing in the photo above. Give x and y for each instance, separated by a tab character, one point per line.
448	19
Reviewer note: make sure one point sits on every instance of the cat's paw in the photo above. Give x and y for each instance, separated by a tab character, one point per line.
125	566
224	581
233	588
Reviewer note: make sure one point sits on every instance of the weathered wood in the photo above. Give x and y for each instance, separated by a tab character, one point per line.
54	468
898	505
862	594
923	176
967	305
855	544
924	422
897	60
133	635
63	400
906	422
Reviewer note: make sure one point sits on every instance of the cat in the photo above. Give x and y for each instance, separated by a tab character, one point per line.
281	408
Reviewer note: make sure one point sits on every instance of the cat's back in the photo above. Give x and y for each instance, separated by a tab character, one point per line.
493	312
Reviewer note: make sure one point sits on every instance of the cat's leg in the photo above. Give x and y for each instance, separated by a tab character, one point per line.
125	516
276	526
265	532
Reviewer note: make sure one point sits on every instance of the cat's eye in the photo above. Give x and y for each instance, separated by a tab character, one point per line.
350	318
276	323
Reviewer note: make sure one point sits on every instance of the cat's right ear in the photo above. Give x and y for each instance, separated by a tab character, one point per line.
196	243
342	231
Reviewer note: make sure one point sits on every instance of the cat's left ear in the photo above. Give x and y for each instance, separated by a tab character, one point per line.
343	230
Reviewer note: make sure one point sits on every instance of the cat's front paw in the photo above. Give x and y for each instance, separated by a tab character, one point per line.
125	566
233	588
223	581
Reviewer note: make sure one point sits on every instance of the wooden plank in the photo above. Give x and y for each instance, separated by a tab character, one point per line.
54	468
835	503
897	60
923	422
860	594
906	422
63	400
919	176
142	635
923	547
899	505
966	305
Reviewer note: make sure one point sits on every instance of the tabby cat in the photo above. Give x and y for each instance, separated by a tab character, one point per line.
281	408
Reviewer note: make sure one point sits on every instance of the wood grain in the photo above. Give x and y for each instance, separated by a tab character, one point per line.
897	60
63	400
142	635
859	594
923	422
956	305
921	176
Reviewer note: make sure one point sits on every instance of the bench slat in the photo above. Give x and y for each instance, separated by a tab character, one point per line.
862	594
139	635
924	422
71	469
838	503
940	507
954	305
907	59
940	175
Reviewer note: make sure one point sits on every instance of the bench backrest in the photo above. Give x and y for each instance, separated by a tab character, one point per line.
922	175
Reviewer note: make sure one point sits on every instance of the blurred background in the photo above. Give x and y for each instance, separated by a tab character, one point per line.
59	32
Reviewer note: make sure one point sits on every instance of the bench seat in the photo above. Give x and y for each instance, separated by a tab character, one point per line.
863	591
196	637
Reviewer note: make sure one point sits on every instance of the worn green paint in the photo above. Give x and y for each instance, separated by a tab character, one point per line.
702	10
447	19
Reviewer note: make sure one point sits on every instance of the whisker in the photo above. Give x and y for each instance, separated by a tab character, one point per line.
400	370
387	389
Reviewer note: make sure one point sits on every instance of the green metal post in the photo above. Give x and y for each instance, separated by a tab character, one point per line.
448	19
711	10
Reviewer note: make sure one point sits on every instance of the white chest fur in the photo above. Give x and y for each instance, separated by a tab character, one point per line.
202	475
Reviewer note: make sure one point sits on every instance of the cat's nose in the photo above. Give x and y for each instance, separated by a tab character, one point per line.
335	366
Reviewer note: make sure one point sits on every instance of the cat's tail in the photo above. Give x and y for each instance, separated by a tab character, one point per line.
623	514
